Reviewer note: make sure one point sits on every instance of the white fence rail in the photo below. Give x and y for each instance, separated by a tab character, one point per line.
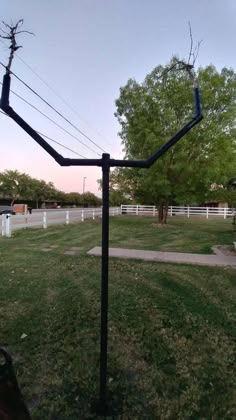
186	211
48	218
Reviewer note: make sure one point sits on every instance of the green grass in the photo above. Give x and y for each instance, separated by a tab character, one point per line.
171	327
196	235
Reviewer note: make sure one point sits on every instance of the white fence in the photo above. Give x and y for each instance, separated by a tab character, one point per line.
44	219
178	211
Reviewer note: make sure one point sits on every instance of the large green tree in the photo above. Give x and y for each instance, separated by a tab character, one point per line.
41	191
89	199
14	185
152	111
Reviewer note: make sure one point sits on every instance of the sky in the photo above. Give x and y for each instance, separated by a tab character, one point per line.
85	50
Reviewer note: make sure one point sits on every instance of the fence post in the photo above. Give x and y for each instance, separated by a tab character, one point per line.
188	212
153	211
225	212
3	225
8	226
67	217
113	212
45	220
207	213
171	211
82	216
93	214
137	210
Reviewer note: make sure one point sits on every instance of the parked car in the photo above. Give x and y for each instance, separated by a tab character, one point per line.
6	210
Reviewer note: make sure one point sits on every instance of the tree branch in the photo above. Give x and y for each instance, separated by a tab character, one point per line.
12	32
191	42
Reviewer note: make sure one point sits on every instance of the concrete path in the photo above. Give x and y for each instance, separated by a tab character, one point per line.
174	257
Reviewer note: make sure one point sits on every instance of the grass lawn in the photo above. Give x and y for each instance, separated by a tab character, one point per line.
171	327
196	235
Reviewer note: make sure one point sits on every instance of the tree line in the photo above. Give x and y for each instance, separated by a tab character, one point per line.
21	187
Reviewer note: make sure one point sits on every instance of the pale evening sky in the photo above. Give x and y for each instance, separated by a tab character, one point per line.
86	50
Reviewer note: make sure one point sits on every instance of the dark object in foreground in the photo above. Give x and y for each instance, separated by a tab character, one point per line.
12	406
6	210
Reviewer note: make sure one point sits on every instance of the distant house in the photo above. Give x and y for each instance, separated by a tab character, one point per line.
49	204
216	204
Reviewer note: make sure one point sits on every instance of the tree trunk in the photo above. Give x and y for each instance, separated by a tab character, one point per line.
165	213
13	201
162	213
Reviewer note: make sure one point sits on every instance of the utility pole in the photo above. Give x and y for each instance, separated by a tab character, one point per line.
84	178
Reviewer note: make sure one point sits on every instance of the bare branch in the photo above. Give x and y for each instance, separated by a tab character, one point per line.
5	37
12	32
3	31
193	54
6	24
183	65
26	32
196	51
191	42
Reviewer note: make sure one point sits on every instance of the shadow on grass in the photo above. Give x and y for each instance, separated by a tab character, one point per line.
198	304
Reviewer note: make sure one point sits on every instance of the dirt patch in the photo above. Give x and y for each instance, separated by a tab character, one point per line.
70	253
74	250
12	310
159	225
224	250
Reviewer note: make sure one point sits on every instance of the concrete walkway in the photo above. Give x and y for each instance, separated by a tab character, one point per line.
174	257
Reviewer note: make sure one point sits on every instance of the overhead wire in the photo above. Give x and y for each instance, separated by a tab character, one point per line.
53	140
54	122
60	144
54	109
54	91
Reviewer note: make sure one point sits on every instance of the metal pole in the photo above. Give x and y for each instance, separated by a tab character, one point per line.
105	163
84	178
102	406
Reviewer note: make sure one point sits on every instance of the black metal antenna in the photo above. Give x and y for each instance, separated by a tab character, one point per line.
105	163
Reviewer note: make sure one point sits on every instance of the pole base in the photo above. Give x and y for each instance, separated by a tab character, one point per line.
102	409
105	408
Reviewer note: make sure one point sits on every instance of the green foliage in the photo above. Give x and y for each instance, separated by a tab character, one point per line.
120	192
90	199
17	186
117	198
225	193
73	198
152	111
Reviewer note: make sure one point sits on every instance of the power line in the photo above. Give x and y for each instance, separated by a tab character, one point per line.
61	98
54	141
54	109
55	93
54	122
62	145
